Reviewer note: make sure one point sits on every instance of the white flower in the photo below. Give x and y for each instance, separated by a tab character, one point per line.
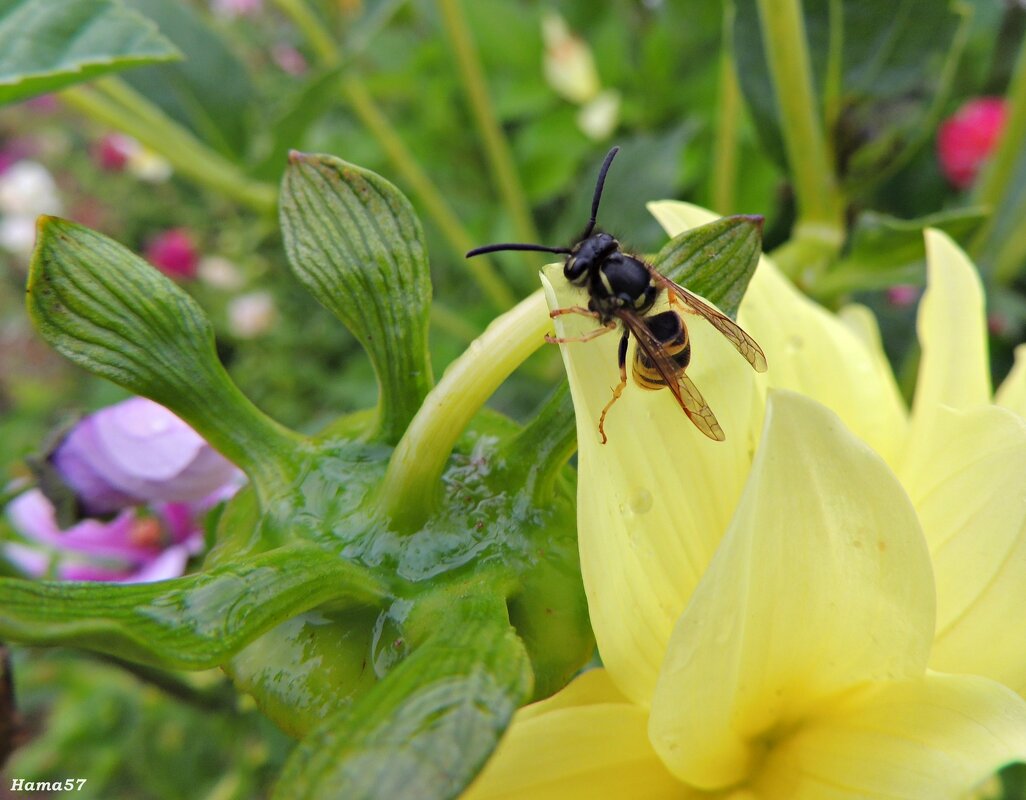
250	315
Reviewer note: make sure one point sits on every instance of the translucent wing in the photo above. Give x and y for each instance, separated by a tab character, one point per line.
744	343
681	386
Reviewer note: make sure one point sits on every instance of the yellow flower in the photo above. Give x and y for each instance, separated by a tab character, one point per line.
771	609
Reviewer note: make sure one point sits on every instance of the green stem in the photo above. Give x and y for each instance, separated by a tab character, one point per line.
546	444
481	269
113	103
998	190
497	149
728	114
411	488
819	200
993	184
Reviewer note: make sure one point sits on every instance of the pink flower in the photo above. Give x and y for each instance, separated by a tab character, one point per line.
174	253
289	59
967	139
131	548
113	151
236	8
137	452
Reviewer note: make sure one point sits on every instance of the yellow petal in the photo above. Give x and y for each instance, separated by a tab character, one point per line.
585	742
821	583
1012	392
936	737
969	486
810	350
654	501
589	688
954	370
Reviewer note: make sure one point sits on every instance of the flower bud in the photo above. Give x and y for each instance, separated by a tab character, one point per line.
966	139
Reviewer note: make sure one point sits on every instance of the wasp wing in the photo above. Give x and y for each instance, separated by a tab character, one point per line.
681	386
745	344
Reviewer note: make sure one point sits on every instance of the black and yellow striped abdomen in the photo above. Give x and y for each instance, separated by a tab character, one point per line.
670	331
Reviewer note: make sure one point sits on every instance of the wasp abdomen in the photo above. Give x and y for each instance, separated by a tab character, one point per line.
670	331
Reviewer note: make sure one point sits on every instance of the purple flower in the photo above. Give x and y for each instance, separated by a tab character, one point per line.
138	453
132	548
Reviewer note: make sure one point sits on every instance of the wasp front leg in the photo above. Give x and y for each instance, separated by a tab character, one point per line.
621	359
586	337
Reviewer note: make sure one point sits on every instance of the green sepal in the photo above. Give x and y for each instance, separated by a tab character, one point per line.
425	731
43	48
354	241
715	260
107	310
195	622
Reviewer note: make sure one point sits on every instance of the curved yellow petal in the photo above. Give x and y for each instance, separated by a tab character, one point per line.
936	737
969	486
811	350
821	583
589	688
592	752
654	501
1012	392
954	370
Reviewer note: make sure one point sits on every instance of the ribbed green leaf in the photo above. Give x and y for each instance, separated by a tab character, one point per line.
353	240
195	622
715	260
112	313
426	730
47	46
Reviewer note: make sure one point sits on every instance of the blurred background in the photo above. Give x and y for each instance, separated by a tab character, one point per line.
493	119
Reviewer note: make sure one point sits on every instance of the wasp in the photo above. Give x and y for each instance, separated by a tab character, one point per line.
622	291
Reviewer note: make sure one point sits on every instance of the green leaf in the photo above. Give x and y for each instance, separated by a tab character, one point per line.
209	91
108	311
195	622
43	48
354	241
885	251
292	120
715	260
425	731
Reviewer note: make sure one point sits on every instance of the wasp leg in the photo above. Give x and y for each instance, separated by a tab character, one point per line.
585	312
587	337
621	358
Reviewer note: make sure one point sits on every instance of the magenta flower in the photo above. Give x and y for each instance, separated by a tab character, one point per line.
138	453
133	547
113	150
174	253
966	139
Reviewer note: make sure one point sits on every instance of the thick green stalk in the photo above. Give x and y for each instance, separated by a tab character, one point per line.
113	103
728	115
497	148
412	485
819	230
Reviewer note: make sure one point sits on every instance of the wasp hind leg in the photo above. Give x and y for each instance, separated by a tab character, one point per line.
621	358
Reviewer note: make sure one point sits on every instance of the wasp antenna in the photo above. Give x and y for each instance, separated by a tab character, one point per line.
598	190
540	248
